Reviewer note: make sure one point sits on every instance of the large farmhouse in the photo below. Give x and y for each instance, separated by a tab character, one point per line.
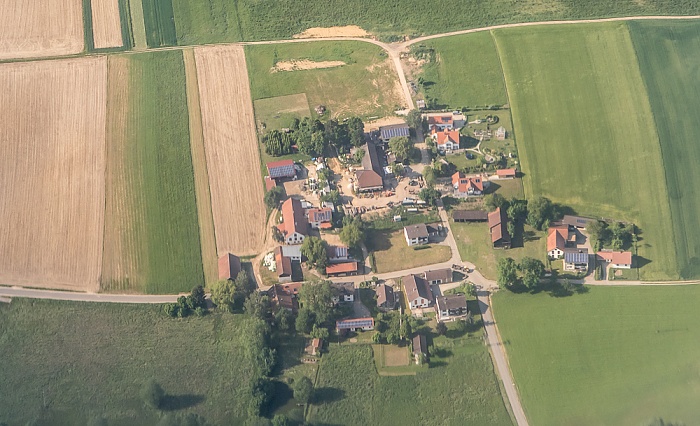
370	177
558	239
446	140
281	169
294	226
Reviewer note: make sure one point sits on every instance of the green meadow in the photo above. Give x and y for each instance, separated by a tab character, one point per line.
585	130
610	356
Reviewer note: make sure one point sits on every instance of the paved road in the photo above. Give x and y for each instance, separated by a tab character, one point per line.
499	357
85	297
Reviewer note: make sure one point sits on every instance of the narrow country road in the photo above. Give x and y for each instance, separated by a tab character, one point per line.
499	356
85	297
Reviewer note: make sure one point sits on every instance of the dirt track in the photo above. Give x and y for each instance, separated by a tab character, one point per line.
231	146
52	162
106	25
40	28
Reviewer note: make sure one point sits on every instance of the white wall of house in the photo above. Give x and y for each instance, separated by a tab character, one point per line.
419	302
621	266
555	253
294	238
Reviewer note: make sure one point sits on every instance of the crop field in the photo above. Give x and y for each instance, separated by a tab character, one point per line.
106	23
460	387
52	160
669	63
152	241
589	142
159	22
465	72
221	20
68	363
630	352
231	146
366	85
40	28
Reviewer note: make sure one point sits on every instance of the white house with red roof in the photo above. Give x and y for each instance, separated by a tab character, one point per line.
446	140
294	225
466	186
616	259
320	218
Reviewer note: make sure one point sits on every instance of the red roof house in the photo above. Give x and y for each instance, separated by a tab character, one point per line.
294	225
506	173
229	266
467	185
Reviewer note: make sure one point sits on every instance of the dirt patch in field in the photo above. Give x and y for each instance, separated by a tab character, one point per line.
231	144
39	28
52	165
395	356
304	64
106	24
384	121
201	178
346	31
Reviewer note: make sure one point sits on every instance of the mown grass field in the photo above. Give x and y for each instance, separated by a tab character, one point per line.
70	363
466	72
589	142
611	356
220	20
393	254
279	112
458	388
669	63
152	240
367	85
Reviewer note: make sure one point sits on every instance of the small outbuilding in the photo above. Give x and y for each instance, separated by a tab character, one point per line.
229	266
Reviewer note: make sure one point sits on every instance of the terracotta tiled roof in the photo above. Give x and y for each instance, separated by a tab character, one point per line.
557	237
229	266
284	263
339	268
445	136
293	217
506	172
498	224
464	183
368	179
617	257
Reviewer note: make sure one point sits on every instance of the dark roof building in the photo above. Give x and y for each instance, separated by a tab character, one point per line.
450	306
470	216
393	130
371	160
417	291
419	230
368	180
385	297
420	345
576	221
229	267
355	324
438	276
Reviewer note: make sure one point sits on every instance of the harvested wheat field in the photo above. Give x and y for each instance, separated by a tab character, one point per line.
52	164
106	24
233	161
38	28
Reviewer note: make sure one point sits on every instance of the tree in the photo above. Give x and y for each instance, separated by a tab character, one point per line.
314	249
539	213
405	329
429	176
319	299
401	146
429	195
284	319
332	197
305	320
494	201
397	169
273	197
352	234
325	175
414	119
319	332
278	143
441	328
511	228
507	272
314	145
261	395
517	210
277	235
152	394
356	131
257	305
598	231
532	270
198	298
303	388
281	420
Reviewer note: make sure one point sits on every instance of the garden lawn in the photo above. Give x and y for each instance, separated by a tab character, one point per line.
73	362
367	85
152	240
586	134
474	244
466	72
669	63
611	356
210	21
458	388
391	252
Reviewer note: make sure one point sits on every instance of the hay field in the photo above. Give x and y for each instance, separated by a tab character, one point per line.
232	149
585	130
39	28
106	23
52	165
668	59
151	241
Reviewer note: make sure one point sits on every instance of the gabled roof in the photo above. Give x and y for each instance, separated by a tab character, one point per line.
229	266
415	287
269	183
445	136
498	225
368	179
452	301
284	263
464	183
469	215
439	274
282	168
440	119
320	215
384	293
371	160
394	130
340	268
616	257
335	252
505	172
293	217
419	230
577	221
557	237
576	255
420	345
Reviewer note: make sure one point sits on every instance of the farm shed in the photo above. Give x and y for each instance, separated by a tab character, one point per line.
498	227
506	173
470	216
393	130
281	169
354	324
342	269
229	266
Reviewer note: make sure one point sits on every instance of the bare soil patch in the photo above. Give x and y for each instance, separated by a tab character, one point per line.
346	31
304	64
230	141
384	121
52	165
106	24
39	28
